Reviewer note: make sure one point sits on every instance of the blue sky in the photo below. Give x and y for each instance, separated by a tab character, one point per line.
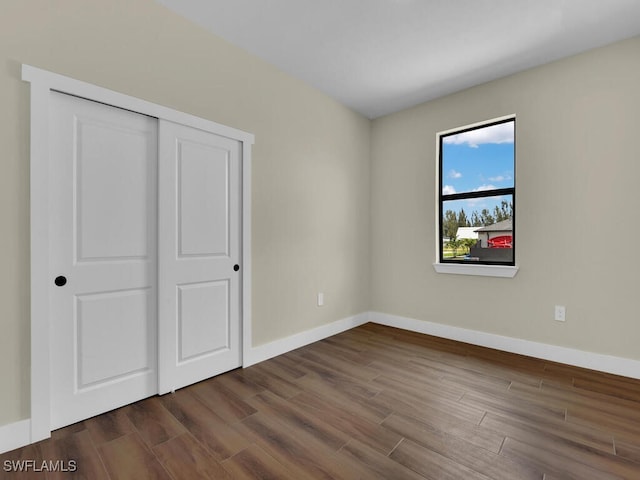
481	159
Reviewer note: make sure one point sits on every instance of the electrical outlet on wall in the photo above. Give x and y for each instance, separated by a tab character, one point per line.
560	313
320	299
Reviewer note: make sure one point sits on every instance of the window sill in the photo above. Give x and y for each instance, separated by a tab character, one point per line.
478	270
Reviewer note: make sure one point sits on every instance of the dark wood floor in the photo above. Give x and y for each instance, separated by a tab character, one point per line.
370	403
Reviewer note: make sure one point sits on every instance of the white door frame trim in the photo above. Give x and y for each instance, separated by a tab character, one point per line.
42	82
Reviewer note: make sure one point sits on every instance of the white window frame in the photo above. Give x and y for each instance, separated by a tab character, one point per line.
504	271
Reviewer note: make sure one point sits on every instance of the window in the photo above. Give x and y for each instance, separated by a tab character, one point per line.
476	194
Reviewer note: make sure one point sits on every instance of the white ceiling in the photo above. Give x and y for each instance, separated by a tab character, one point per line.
380	56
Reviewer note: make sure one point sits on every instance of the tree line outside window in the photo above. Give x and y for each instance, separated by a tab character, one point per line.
453	220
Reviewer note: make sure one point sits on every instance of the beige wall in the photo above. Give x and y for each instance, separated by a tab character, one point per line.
577	174
320	170
310	169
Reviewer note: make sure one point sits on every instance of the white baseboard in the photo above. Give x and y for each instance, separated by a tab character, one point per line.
579	358
284	345
15	435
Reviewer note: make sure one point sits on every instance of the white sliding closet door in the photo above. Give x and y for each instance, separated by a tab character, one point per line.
145	256
140	249
199	255
102	201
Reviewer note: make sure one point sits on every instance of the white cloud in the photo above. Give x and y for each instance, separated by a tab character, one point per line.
481	202
448	190
501	133
484	188
500	178
454	174
475	202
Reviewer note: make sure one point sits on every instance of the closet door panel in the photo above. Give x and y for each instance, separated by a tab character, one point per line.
203	200
199	255
102	203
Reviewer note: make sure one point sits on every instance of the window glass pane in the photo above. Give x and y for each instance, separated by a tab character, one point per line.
478	229
478	160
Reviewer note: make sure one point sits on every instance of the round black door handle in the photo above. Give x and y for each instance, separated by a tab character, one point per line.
60	281
236	267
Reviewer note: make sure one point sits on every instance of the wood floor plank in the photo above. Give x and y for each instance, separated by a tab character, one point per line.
440	347
238	383
254	463
378	466
153	422
79	449
458	367
15	465
366	431
611	418
298	451
609	383
340	351
129	458
628	449
551	462
511	407
419	404
386	350
352	397
576	449
343	367
222	440
568	397
184	457
268	379
435	388
612	423
512	361
477	384
510	371
347	341
597	459
424	429
109	426
432	465
336	380
67	431
542	432
389	346
537	394
405	376
296	418
227	405
458	449
558	374
285	366
405	367
526	394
